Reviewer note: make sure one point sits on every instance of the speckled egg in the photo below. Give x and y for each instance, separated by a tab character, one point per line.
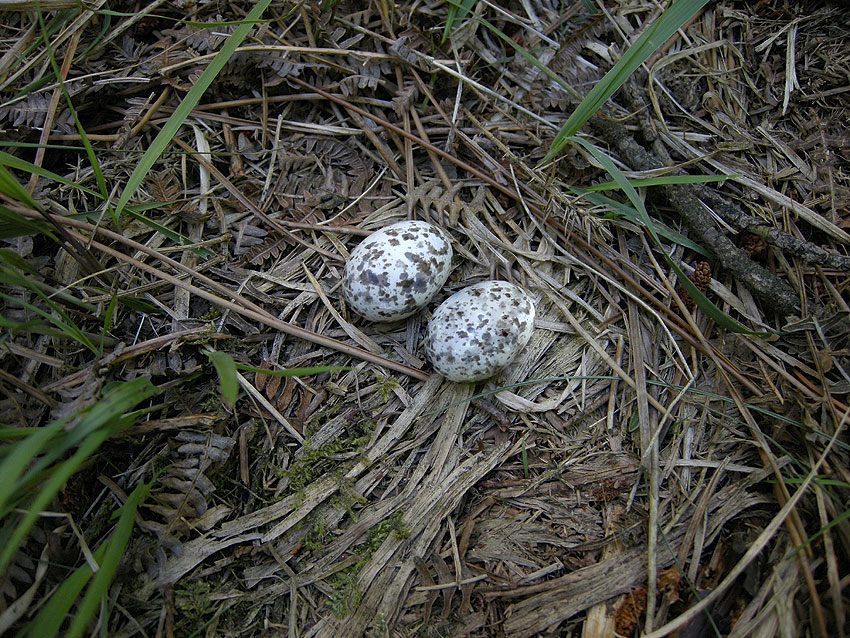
397	270
479	330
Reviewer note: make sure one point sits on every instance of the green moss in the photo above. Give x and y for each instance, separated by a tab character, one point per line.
380	629
347	498
393	524
324	414
315	462
234	618
193	600
386	385
211	314
346	594
362	433
312	463
159	463
99	523
317	536
212	403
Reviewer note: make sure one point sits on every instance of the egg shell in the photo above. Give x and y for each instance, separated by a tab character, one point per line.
479	330
397	270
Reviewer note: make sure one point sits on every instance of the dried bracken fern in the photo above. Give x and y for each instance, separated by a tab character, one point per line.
180	496
31	112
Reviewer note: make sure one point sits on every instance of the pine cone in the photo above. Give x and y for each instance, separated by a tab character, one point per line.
701	278
753	245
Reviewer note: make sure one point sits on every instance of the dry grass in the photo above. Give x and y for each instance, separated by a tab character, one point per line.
634	461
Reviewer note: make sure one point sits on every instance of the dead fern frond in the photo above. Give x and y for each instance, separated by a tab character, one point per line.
180	496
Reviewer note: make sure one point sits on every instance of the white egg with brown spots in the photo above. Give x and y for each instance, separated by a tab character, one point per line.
479	330
396	270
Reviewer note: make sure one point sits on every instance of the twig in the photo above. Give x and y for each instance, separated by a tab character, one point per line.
763	284
805	250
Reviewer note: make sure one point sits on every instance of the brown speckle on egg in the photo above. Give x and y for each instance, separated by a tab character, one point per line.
461	341
397	270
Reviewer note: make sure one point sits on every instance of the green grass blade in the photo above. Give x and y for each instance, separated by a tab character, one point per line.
112	557
52	615
10	187
135	212
843	516
712	311
22	165
656	34
662	181
46	464
57	22
138	305
63	322
20	456
95	165
549	73
170	128
225	366
103	419
14	225
7	433
456	12
16	261
292	372
109	314
38	328
174	236
117	401
619	209
47	491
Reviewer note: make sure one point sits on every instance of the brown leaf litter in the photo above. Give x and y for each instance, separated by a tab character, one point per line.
634	472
